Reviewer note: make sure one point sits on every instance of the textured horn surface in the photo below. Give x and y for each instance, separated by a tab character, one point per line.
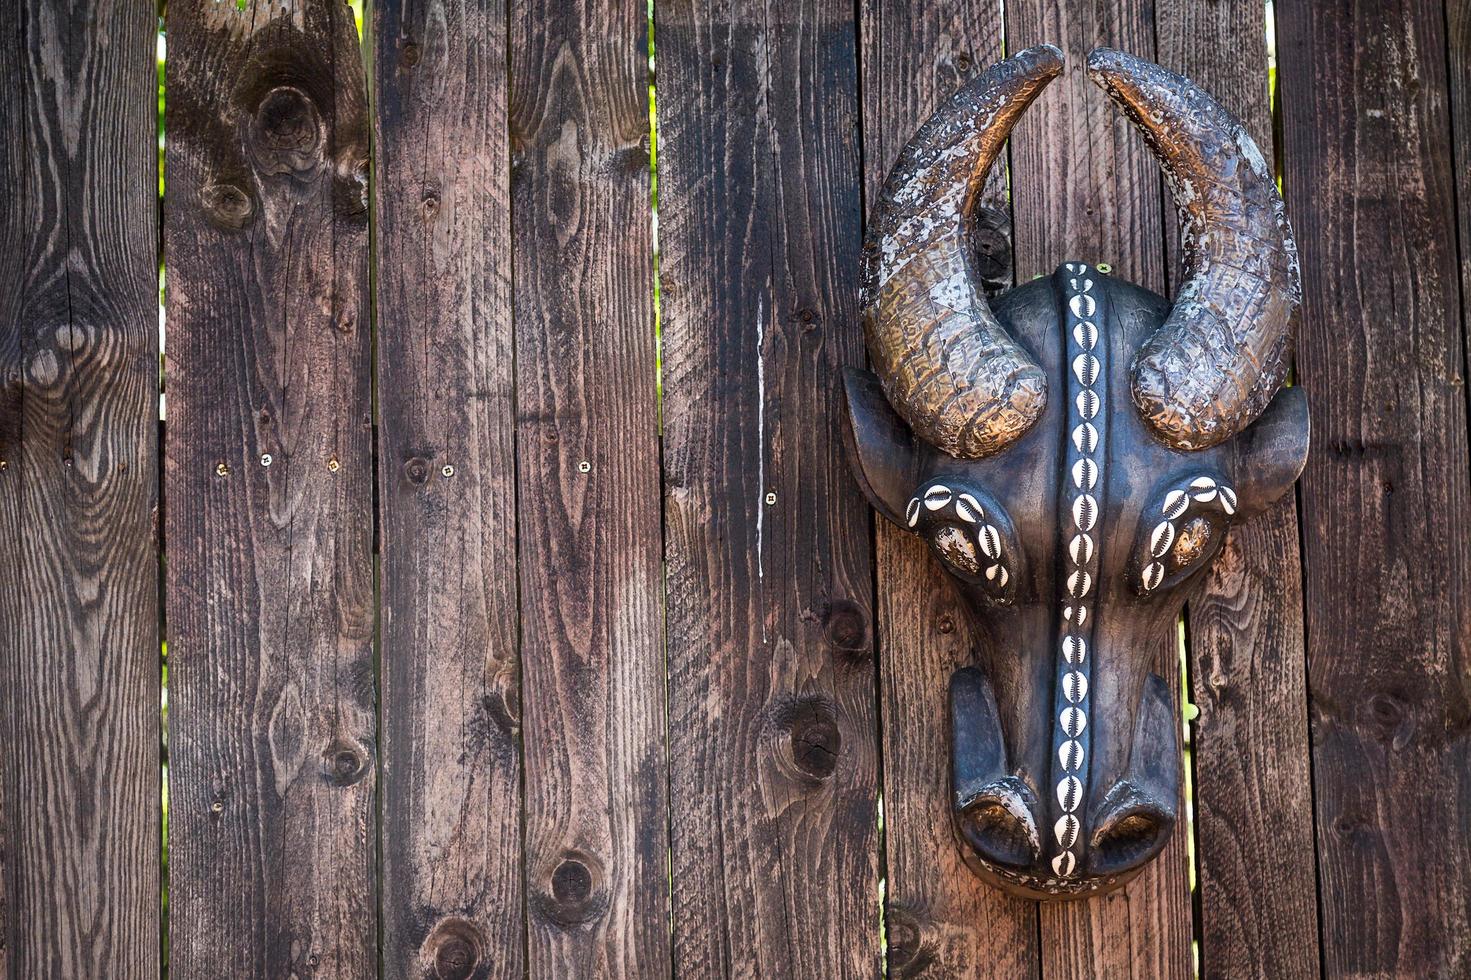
948	367
1218	359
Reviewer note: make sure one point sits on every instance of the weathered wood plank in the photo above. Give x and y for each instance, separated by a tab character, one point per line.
270	584
588	477
1386	499
1083	187
451	685
1253	799
772	679
79	632
941	920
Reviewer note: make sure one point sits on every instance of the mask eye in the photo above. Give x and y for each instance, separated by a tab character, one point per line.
968	531
1181	532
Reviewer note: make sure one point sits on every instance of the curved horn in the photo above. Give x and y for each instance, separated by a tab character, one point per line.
947	366
1218	359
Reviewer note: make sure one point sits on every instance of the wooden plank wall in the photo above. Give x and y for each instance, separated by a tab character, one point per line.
773	728
1386	498
268	475
79	655
491	657
449	641
1256	915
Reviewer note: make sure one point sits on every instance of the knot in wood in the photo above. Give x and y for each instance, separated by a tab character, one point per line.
454	948
344	764
812	733
226	206
416	470
846	628
906	941
573	893
286	132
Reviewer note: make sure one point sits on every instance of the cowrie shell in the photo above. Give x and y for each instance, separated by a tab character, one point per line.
990	542
1085	335
1074	686
1085	369
1085	474
964	513
1070	755
973	504
1082	305
1085	511
1153	574
1063	864
1069	793
1078	584
1085	437
1073	721
1161	538
1073	649
1175	504
1066	830
1228	500
937	496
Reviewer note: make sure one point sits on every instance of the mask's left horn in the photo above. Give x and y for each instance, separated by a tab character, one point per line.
948	367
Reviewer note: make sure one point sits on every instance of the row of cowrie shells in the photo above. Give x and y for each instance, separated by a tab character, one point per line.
969	510
1203	489
1074	716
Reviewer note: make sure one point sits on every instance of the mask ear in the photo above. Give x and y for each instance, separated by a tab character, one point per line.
881	449
1272	451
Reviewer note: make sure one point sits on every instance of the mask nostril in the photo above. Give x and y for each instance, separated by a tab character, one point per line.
997	824
1128	838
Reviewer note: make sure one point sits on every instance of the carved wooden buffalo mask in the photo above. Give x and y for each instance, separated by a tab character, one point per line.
1074	454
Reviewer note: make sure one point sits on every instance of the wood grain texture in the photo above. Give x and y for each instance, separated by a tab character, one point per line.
1386	499
588	476
79	632
772	678
270	584
941	920
1258	905
451	688
1084	187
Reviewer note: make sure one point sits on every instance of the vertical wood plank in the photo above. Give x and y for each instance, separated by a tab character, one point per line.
79	632
940	919
1253	798
451	685
270	585
1386	498
772	677
1084	187
588	477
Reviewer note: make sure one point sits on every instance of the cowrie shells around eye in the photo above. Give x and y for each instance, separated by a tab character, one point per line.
911	514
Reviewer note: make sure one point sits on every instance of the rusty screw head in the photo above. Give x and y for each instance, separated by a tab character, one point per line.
333	466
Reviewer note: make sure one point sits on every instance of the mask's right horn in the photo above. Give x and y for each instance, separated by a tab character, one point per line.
1216	362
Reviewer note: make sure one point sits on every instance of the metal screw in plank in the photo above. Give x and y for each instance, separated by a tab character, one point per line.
448	471
266	459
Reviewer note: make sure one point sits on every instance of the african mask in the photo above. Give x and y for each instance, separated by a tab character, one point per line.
1074	452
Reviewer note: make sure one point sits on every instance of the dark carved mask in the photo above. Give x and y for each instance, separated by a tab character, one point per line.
1074	453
